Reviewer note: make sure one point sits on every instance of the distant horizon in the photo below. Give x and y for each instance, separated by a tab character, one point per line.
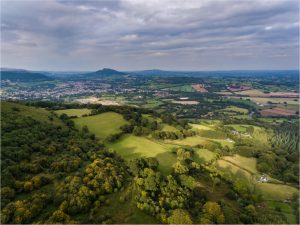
138	70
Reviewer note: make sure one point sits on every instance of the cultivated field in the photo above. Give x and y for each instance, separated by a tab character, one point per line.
94	100
200	88
186	102
277	111
102	125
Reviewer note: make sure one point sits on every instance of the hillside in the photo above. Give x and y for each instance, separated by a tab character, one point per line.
23	76
119	164
105	72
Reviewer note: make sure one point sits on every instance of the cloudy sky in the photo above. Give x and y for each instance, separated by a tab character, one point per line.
148	34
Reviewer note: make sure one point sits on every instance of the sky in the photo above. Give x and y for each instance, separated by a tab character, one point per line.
65	35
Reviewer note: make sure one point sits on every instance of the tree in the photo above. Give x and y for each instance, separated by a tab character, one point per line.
180	168
212	212
180	216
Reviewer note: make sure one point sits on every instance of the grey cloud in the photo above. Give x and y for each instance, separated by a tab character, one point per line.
59	34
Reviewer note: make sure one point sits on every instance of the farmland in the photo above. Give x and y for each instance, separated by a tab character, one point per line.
277	111
117	156
101	125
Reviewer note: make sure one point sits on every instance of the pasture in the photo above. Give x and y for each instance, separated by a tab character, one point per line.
201	127
169	128
196	140
203	155
73	112
102	125
235	109
245	168
131	147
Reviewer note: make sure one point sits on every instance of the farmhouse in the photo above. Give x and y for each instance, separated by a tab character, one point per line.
263	178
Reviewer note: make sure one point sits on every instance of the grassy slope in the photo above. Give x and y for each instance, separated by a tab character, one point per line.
102	125
198	127
36	113
236	109
195	140
73	112
204	155
245	168
131	147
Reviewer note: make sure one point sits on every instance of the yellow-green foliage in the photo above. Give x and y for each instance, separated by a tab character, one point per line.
39	114
102	125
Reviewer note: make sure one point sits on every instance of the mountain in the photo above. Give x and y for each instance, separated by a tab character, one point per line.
104	72
22	75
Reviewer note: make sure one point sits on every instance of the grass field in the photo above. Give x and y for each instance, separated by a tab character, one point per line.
253	92
204	155
74	112
131	147
232	169
245	168
289	101
195	140
169	128
276	191
236	109
248	164
102	125
152	103
183	88
243	127
201	127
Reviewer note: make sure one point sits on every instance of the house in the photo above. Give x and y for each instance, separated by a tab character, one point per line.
263	178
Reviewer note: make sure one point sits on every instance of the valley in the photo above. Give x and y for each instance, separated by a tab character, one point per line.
142	149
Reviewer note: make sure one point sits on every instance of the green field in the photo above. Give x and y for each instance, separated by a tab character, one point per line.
101	125
131	147
151	103
169	128
272	191
201	127
204	155
245	168
248	164
74	112
183	88
236	109
195	140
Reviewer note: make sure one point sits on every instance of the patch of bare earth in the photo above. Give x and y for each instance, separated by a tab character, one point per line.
186	102
199	88
277	111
